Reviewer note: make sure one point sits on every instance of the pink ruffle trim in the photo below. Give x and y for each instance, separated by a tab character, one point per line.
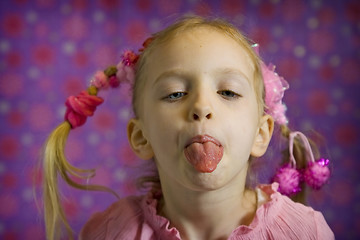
160	224
277	217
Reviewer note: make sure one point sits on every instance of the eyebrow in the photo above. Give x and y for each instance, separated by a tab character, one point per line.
232	71
219	71
171	73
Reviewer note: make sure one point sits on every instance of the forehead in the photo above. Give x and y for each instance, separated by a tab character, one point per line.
203	46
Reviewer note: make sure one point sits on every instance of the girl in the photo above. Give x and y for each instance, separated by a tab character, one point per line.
205	106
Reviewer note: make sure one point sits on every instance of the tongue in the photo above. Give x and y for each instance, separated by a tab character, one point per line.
204	156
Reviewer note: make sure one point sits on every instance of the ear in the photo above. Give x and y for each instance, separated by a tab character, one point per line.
263	136
138	142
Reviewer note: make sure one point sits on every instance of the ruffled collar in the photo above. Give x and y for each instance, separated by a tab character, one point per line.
160	224
267	195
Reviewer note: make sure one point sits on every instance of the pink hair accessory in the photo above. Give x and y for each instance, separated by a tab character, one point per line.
81	107
84	105
130	58
275	87
317	172
125	73
100	80
114	82
315	175
289	179
126	68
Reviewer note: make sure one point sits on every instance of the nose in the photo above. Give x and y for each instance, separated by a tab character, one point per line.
201	108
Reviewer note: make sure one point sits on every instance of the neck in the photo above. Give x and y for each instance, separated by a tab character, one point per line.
208	214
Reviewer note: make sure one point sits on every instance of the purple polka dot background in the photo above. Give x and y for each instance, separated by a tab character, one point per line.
50	49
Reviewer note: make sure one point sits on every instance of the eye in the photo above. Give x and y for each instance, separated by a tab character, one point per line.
175	96
228	94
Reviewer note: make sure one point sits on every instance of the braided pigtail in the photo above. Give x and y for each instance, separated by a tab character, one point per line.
54	161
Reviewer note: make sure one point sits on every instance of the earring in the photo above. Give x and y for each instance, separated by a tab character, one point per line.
315	175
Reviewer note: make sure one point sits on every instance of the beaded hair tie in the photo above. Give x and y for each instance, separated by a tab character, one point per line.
84	105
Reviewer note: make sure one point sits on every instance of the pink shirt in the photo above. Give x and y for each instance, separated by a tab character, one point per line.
277	217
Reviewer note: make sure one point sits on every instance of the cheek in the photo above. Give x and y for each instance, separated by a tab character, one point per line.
247	114
243	126
160	127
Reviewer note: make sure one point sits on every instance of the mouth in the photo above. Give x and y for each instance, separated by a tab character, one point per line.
204	153
203	139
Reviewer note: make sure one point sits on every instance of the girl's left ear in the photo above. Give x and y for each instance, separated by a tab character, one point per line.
263	136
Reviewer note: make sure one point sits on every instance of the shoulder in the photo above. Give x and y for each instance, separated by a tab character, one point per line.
122	220
297	220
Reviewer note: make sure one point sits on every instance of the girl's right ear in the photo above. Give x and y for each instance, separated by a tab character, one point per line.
138	142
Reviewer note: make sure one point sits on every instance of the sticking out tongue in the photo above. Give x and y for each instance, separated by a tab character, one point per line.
204	156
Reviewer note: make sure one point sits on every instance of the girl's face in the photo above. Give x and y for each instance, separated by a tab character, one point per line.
199	84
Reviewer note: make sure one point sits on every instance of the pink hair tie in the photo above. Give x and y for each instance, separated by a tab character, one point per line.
81	107
316	174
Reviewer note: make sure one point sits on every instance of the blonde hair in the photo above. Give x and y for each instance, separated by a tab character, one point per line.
55	164
54	161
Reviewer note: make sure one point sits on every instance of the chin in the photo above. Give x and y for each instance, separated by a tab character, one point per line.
215	180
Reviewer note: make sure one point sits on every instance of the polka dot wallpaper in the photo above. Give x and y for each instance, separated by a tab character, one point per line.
50	49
